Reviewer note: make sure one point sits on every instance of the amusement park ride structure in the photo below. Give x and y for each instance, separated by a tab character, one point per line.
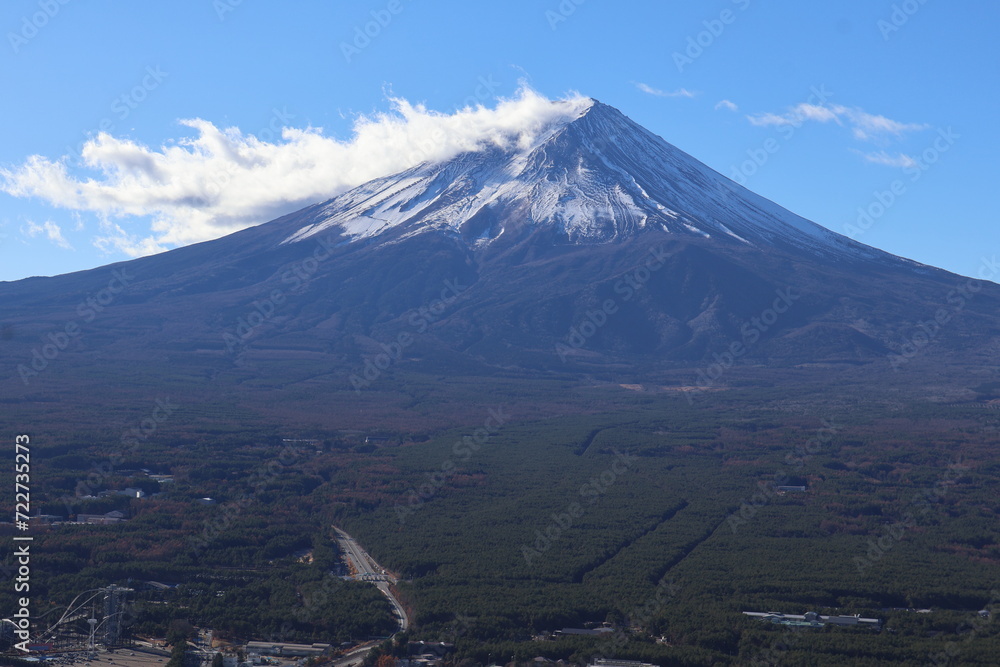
103	610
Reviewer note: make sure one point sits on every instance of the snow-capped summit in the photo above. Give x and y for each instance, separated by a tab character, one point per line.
593	175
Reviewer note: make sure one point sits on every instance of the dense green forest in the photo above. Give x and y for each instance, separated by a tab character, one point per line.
662	520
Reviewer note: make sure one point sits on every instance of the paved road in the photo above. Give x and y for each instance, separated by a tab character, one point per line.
355	656
366	565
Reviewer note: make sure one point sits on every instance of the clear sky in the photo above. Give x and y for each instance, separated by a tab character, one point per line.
827	108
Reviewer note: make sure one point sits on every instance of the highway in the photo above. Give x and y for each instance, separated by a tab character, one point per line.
368	570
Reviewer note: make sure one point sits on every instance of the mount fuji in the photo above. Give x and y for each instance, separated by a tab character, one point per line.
590	246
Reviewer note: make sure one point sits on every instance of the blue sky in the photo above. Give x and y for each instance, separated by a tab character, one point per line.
829	109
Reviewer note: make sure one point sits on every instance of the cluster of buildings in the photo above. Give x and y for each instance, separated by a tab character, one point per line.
419	654
113	516
608	662
286	650
599	662
257	653
813	620
425	654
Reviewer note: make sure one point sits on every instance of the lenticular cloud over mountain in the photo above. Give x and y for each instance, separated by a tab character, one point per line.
223	180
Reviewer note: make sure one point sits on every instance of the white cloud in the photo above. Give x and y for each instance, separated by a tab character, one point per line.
797	115
117	239
819	113
867	126
649	90
864	126
899	160
49	230
222	180
727	105
765	119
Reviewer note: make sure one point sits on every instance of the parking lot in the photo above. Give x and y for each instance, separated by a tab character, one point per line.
119	658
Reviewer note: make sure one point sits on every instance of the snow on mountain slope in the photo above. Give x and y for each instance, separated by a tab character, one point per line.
594	175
